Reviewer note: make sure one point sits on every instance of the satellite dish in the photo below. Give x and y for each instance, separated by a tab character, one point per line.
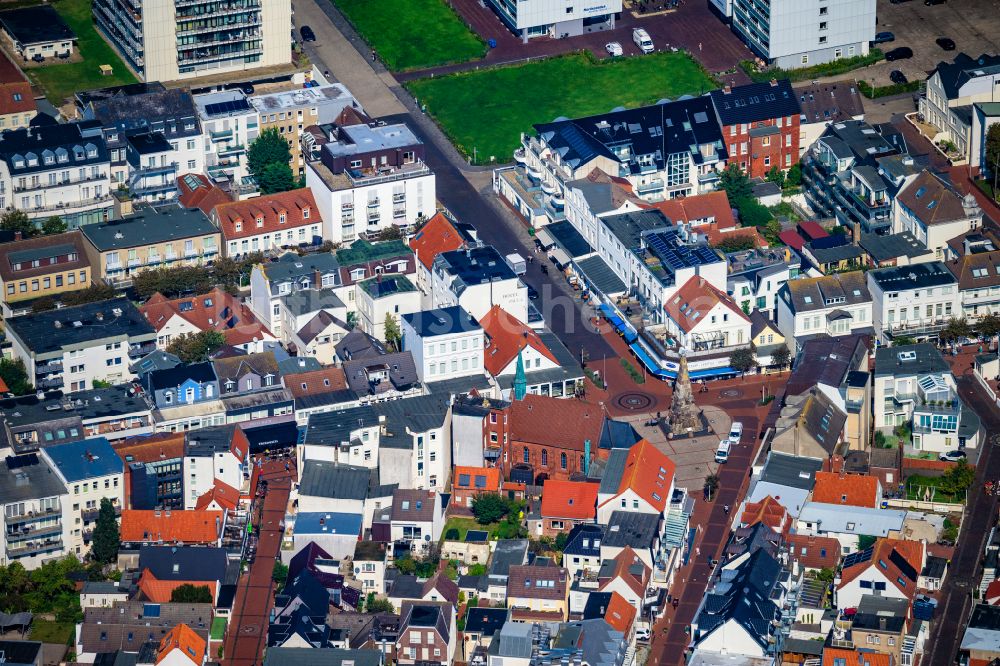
427	537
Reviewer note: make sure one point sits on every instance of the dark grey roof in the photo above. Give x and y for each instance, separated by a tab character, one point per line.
318	324
334	428
304	301
485	621
51	331
85	97
756	102
917	359
27	477
890	246
290	266
413	505
20	653
89	404
459	385
804	646
149	226
441	321
418	414
836	253
743	595
568	364
627	528
874	604
477	265
402	372
597	272
130	108
584	532
830	102
335	481
357	344
189	563
792	471
77	144
826	360
206	442
963	69
147	143
174	377
613	471
40	24
628	228
157	360
508	553
618	435
567	237
860	138
406	587
914	276
279	656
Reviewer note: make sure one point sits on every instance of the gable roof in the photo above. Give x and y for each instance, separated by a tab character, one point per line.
321	478
328	379
743	595
605	193
849	489
932	201
532	581
690	304
836	656
183	638
485	479
507	336
436	236
161	591
755	102
45	250
195	190
898	560
217	310
699	210
223	494
628	567
236	367
576	500
189	527
187	563
559	423
814	552
643	469
263	214
620	613
768	511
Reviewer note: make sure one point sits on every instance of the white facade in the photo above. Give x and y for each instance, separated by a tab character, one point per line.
720	324
373	307
201	472
554	18
508	292
911	308
229	124
445	356
977	84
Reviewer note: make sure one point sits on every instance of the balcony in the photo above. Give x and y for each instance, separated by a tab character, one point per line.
35	547
398	213
652	187
58	182
223	135
32	516
29	531
919	327
51	366
387	174
232	150
346	208
91	514
398	198
373	216
49	384
138	351
71	207
373	203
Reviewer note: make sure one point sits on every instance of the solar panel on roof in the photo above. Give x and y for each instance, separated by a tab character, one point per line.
16	462
151	610
227	107
905	567
858	558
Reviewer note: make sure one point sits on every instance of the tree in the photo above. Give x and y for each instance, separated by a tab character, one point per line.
711	485
826	575
377	605
17	220
100	383
43	304
276	177
752	212
794	176
268	148
955	329
107	538
489	508
776	176
903	340
993	154
735	183
781	356
280	573
989	324
196	347
14	375
957	479
173	282
477	569
736	243
189	593
53	225
561	540
393	336
390	233
92	294
743	359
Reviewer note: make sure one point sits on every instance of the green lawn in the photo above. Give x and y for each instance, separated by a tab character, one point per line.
916	489
61	81
218	628
485	111
463	525
48	631
413	34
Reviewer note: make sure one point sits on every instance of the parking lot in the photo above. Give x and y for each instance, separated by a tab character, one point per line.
974	25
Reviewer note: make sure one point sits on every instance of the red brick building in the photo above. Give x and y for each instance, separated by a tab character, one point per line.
760	125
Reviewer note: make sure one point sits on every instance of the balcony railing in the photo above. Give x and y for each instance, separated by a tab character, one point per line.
398	198
72	206
44	185
51	366
32	516
373	216
52	383
35	547
31	531
91	514
398	173
920	327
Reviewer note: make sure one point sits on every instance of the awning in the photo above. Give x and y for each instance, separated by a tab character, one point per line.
620	324
599	275
652	366
560	255
712	372
544	237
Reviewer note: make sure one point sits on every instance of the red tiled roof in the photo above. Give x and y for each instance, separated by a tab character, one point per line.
849	489
792	239
624	562
263	214
195	190
490	478
151	448
649	473
316	382
911	551
160	591
508	336
699	209
189	527
555	422
184	639
992	595
690	304
217	310
814	552
436	236
620	614
3	386
768	511
714	235
856	657
576	500
812	230
16	98
223	494
9	72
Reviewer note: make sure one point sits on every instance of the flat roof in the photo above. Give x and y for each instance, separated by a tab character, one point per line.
86	459
40	24
28	477
55	330
149	226
442	321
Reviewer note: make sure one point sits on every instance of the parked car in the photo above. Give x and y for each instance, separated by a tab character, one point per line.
642	40
946	43
614	49
722	453
532	293
307	34
897	77
952	456
934	2
883	37
736	432
642	634
900	53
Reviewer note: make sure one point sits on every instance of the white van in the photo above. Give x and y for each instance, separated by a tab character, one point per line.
642	40
736	432
722	453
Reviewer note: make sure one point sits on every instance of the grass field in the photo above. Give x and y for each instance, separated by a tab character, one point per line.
485	111
61	81
49	631
413	34
463	525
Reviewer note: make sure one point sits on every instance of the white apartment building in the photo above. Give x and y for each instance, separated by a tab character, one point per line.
271	281
699	316
214	454
934	213
477	279
415	442
367	177
838	304
34	501
229	125
71	347
913	301
59	170
445	343
91	471
163	42
951	91
382	296
554	18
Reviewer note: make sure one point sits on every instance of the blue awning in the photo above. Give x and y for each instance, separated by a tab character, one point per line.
712	372
620	325
652	366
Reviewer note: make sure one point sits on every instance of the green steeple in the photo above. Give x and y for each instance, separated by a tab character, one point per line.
520	381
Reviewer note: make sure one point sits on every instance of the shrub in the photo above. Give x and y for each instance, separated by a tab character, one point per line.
636	376
833	68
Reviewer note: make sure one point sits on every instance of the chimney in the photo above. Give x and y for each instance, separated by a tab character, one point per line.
881	623
17	235
317	279
727	89
774	83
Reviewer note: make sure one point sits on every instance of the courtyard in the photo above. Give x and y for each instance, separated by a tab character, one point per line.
509	100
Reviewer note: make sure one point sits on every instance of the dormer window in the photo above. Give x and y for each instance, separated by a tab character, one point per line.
112	136
260	221
238	225
282	217
168	397
305	213
230	385
268	380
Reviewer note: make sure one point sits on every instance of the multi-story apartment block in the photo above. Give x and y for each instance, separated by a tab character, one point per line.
952	90
934	212
383	297
977	270
291	112
269	223
554	19
445	343
290	273
44	266
91	471
368	176
760	123
164	42
214	455
914	386
59	170
230	124
71	347
17	101
914	301
663	150
33	501
154	471
756	275
838	304
477	279
790	33
153	135
152	238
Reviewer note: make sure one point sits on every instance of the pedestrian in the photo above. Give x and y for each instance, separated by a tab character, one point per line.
697	551
726	509
699	46
373	55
